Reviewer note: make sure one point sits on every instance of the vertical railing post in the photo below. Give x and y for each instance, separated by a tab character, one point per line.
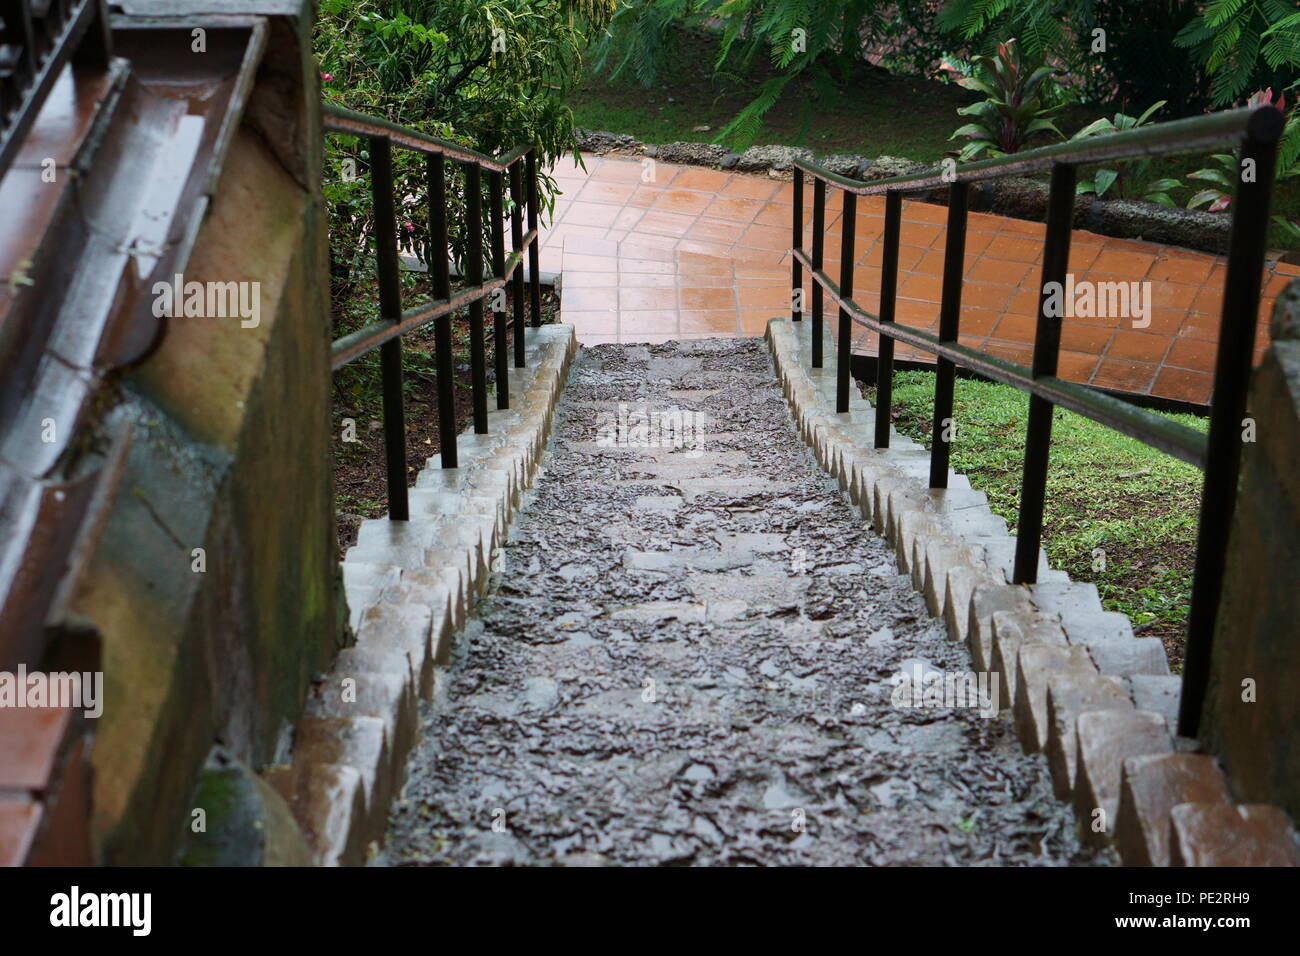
1047	347
534	269
500	334
888	297
517	240
954	267
1246	248
390	309
96	50
435	171
819	249
474	275
848	227
796	270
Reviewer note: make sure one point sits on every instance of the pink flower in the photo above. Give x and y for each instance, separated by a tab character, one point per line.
410	227
326	77
1265	98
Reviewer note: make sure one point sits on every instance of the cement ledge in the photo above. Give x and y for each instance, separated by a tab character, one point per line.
410	586
1098	701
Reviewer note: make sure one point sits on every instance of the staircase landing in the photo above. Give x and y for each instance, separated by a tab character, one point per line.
655	252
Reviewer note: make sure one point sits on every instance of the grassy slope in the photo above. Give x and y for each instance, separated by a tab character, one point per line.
1105	491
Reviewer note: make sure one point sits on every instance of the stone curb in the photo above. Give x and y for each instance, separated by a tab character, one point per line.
410	586
1096	700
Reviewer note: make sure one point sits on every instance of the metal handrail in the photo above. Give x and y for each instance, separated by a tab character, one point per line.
1197	132
39	42
1256	130
386	333
339	119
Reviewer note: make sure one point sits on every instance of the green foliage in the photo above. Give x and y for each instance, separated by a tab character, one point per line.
1124	178
1244	42
1225	171
490	75
1014	110
816	44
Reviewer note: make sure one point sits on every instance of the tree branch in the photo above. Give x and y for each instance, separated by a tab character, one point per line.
450	86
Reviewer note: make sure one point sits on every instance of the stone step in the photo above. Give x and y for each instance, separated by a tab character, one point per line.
359	743
1011	631
1215	834
1158	693
1071	693
1036	666
1105	739
329	803
1150	787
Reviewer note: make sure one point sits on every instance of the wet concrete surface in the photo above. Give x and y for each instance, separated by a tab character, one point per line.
686	659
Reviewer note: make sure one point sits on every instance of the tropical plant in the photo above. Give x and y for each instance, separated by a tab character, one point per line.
1134	172
485	73
1014	110
1225	172
1244	41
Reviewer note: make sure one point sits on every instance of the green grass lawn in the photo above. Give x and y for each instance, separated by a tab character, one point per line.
1107	495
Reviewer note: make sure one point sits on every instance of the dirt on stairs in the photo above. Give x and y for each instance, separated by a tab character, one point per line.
688	655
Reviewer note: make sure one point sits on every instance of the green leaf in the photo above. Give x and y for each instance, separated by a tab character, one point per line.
1095	128
1204	198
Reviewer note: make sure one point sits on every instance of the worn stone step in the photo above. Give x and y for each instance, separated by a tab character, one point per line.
329	803
1108	635
1105	739
1036	666
1214	834
360	743
1011	630
1158	693
363	584
1150	787
1073	600
414	550
984	601
351	690
403	627
1070	694
428	532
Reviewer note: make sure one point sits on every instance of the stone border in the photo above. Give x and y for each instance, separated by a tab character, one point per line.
1096	701
410	586
1016	197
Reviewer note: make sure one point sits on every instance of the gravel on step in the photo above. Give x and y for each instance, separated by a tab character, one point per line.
686	657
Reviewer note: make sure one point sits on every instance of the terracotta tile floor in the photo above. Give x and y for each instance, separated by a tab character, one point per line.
651	252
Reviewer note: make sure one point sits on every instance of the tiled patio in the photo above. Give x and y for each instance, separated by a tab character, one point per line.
656	252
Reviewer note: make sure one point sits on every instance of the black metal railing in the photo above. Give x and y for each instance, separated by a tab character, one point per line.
37	39
386	333
1256	131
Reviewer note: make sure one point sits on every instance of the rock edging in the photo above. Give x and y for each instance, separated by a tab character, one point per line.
1096	701
410	586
